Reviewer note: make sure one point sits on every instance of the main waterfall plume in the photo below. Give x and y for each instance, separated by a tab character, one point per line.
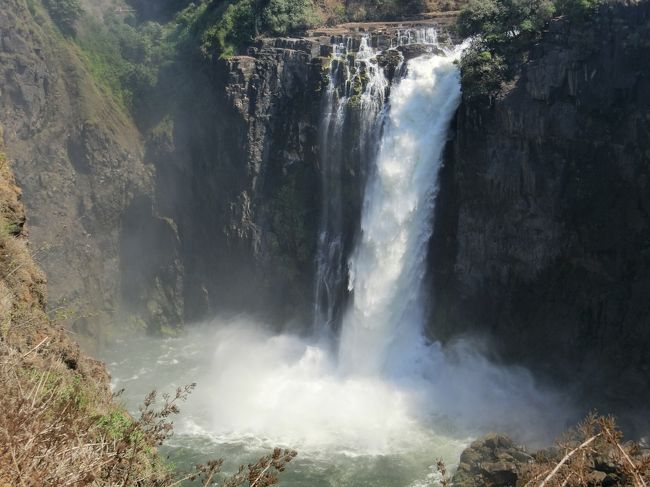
388	266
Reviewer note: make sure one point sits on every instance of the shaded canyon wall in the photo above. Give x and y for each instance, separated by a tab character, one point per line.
542	240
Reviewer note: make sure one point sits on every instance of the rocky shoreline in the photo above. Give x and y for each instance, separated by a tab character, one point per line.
593	455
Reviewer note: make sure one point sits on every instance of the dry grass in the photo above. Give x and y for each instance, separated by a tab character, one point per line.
591	454
53	434
59	424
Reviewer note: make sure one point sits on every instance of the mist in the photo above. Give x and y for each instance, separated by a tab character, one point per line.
259	388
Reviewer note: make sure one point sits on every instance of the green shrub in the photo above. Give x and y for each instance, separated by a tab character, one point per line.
284	16
505	21
65	14
222	29
482	72
503	30
125	58
114	424
577	10
236	26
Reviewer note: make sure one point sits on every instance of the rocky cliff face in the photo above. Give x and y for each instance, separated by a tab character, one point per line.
238	172
79	159
543	225
210	205
25	327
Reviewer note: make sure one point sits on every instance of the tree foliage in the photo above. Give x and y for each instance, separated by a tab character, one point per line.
235	27
126	57
503	30
505	21
577	10
224	30
482	71
280	17
65	14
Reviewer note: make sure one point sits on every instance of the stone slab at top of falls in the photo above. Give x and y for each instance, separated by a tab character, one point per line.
381	35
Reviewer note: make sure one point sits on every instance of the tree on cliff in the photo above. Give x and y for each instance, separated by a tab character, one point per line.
65	14
502	31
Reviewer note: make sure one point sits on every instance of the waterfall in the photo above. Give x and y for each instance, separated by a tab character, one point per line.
386	392
386	269
361	87
388	266
329	252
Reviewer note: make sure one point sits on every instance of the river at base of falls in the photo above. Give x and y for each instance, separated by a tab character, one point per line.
256	391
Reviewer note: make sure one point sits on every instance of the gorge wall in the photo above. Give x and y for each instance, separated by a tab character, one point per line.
238	171
543	225
79	158
246	185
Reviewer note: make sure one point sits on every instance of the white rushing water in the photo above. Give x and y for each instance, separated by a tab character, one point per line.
379	406
387	269
335	145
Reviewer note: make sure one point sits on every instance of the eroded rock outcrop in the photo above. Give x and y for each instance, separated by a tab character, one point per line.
492	460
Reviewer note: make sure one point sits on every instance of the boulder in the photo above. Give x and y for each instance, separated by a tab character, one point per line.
493	460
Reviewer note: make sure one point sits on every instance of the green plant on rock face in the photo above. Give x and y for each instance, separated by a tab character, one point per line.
7	228
482	72
503	30
236	26
124	58
505	21
114	424
223	28
65	14
577	10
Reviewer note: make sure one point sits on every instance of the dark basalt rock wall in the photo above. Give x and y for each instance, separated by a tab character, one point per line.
242	166
542	238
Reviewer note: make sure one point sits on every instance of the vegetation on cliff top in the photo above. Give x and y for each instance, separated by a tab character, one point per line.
127	51
222	28
503	30
65	14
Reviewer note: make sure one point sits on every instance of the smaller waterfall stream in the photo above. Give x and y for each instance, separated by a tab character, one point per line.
363	85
